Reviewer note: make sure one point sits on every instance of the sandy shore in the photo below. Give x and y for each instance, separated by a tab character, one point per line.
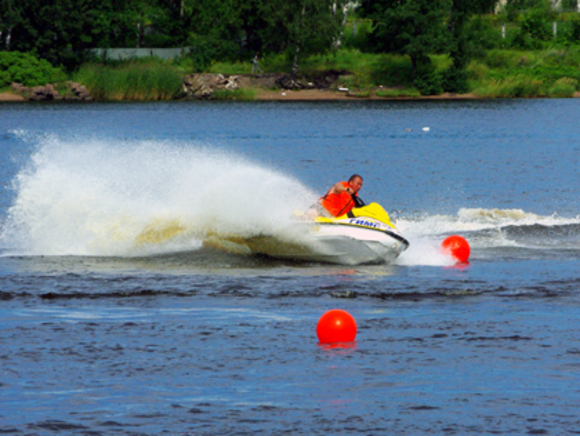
325	94
8	96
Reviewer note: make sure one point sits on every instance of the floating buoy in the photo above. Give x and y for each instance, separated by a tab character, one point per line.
336	326
457	247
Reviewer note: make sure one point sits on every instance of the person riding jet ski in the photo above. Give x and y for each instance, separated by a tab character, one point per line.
341	198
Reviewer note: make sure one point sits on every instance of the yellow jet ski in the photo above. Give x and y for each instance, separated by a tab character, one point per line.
364	235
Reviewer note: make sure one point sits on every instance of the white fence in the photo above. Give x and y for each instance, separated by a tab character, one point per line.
118	54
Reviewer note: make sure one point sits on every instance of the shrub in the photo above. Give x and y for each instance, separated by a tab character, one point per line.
476	70
25	68
455	80
429	83
564	87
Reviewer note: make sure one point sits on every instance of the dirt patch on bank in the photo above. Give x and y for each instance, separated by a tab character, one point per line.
329	94
8	96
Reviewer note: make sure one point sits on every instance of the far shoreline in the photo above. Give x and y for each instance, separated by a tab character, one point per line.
317	95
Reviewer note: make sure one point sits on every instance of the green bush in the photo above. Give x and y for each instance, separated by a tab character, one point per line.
455	80
25	68
477	70
429	83
564	87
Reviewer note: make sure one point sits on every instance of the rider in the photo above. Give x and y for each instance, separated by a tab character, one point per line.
342	197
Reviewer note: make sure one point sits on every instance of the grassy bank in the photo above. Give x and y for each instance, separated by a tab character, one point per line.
499	73
552	72
512	73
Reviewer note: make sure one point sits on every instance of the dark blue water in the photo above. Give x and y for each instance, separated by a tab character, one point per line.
116	318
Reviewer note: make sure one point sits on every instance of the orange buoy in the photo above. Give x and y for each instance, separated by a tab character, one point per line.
457	247
336	326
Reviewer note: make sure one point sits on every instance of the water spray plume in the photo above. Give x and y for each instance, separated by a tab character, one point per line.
114	198
456	247
336	326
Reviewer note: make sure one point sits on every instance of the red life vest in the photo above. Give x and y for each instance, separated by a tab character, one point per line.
337	204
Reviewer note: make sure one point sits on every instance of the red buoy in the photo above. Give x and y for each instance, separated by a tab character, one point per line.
336	326
457	247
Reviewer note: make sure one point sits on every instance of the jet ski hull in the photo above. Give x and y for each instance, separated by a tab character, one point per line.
363	236
334	243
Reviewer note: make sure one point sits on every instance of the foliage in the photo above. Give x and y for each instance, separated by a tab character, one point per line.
512	8
511	73
429	83
519	86
564	87
409	27
356	34
236	94
570	5
455	80
465	41
303	27
56	31
206	49
574	32
365	93
131	81
27	69
398	92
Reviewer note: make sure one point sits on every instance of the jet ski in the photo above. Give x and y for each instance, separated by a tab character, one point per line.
365	235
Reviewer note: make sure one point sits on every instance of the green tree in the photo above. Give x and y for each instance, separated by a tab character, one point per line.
462	45
410	27
213	30
302	27
59	31
512	8
10	17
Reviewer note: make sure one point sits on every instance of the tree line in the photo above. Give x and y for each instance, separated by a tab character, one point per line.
60	31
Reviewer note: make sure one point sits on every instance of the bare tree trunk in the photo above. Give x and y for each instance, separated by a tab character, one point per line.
296	56
8	39
140	35
298	44
336	43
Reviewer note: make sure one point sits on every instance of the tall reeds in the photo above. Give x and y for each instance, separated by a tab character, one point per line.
131	81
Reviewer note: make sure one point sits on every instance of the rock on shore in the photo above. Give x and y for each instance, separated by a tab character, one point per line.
203	85
72	92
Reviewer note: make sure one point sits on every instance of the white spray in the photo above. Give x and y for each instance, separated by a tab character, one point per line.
136	198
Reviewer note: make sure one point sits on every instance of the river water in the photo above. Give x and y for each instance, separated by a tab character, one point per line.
115	318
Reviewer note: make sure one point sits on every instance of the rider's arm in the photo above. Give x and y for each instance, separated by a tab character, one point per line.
339	188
